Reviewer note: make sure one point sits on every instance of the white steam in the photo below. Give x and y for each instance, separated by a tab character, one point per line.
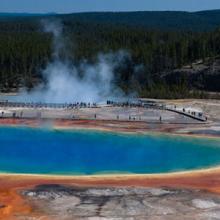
65	82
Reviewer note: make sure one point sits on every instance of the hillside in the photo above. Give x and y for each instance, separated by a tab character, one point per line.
204	75
160	45
166	20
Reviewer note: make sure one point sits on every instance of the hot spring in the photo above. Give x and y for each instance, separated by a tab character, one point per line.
49	151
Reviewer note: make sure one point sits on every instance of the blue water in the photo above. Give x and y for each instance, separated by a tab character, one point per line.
45	151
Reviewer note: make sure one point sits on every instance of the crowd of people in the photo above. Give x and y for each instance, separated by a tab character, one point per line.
76	105
47	105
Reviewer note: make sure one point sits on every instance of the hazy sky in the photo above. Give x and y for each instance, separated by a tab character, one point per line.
105	5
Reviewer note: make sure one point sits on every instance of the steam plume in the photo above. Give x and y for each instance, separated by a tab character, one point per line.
65	82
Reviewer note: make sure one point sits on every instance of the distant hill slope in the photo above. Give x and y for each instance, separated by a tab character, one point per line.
166	20
5	14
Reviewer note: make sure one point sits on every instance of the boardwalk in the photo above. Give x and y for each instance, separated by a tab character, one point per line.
126	111
191	114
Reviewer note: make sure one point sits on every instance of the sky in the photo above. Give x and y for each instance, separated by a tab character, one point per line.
68	6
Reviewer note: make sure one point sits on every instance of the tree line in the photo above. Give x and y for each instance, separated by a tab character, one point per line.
25	50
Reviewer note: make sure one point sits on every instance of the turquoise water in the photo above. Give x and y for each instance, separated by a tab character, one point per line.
45	151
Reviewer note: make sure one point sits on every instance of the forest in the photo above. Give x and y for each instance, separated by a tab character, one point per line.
177	53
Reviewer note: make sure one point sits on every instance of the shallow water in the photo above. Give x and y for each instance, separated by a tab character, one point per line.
45	151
